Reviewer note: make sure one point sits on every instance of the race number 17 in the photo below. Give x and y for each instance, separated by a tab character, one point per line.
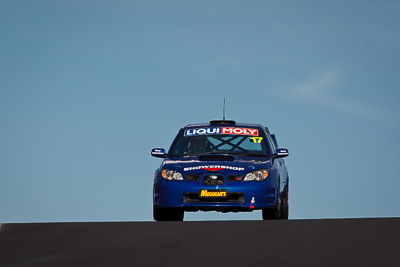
256	139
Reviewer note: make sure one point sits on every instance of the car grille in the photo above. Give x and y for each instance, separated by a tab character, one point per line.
208	181
213	179
235	178
194	178
194	197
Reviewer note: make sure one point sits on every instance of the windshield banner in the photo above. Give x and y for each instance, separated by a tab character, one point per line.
222	130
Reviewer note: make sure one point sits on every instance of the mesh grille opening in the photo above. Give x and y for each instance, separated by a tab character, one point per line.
194	197
213	179
235	178
194	178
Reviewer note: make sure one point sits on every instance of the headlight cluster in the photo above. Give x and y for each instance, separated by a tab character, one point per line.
259	175
171	175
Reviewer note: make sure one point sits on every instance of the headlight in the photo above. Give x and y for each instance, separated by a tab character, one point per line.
259	175
171	175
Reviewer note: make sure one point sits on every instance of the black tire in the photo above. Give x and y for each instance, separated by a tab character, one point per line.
285	202
268	214
271	214
285	209
165	214
159	214
177	214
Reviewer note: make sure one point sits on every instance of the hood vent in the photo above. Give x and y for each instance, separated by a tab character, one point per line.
216	157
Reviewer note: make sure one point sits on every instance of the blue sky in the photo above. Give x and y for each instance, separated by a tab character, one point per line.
88	88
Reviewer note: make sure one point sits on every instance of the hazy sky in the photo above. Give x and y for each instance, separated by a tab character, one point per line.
88	88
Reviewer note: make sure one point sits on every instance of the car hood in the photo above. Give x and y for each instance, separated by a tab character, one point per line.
212	163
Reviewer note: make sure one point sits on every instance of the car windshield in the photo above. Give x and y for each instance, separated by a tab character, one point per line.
240	141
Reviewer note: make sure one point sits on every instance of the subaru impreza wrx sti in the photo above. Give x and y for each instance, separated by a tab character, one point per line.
221	166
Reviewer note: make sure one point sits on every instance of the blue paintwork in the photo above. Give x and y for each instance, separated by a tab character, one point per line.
255	194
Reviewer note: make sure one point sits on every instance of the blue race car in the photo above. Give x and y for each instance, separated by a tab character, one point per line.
222	166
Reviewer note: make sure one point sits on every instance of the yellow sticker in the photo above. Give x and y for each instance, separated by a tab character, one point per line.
213	193
256	139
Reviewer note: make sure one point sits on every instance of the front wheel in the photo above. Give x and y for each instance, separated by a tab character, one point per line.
167	214
285	209
282	209
285	202
270	214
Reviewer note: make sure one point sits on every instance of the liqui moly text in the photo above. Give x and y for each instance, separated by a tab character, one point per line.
222	130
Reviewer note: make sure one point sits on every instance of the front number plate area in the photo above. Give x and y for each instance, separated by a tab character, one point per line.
213	193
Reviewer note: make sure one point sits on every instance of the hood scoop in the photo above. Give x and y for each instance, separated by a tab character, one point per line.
216	157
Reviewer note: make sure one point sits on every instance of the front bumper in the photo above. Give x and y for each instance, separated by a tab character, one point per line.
241	196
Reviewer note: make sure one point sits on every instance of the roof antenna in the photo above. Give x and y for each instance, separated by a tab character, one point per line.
223	111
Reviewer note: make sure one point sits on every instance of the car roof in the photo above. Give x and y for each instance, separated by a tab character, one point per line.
225	123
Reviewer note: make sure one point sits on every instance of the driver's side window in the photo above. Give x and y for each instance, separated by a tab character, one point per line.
271	143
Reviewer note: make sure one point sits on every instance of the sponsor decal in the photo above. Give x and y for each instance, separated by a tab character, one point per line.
253	200
256	139
222	130
157	151
282	153
213	193
213	168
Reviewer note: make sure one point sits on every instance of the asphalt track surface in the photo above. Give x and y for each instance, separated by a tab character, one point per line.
334	242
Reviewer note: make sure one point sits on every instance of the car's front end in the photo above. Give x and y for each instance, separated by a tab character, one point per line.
217	167
234	184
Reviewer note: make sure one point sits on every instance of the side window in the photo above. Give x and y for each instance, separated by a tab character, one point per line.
271	142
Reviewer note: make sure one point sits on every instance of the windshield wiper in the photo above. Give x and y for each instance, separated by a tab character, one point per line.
255	154
221	152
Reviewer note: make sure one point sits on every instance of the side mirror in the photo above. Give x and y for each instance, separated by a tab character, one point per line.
158	153
281	153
